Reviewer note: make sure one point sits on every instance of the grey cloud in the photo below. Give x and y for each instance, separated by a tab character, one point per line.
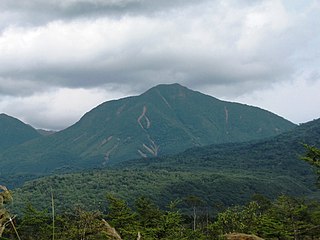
145	70
20	86
190	48
38	12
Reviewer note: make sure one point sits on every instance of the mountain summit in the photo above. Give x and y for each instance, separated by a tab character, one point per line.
166	119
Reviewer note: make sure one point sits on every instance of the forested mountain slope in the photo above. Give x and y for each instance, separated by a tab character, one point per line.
279	153
222	174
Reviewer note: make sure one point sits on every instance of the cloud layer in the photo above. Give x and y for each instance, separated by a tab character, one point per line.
229	49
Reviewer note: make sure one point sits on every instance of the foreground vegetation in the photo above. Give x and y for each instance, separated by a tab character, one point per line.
284	218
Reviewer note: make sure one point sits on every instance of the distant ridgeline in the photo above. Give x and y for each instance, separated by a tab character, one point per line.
166	119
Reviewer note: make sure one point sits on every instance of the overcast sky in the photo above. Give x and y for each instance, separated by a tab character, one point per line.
60	58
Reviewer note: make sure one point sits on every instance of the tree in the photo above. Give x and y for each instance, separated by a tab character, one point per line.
5	197
194	202
35	224
312	156
122	218
171	223
149	217
84	225
287	218
242	219
263	202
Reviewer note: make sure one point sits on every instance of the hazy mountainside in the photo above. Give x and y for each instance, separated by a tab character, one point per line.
221	174
14	132
165	119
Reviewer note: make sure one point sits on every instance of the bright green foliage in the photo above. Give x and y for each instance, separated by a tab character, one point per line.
243	219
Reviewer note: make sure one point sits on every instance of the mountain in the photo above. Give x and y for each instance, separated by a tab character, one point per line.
164	120
14	132
219	174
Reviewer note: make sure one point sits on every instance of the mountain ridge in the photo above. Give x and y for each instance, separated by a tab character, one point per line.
14	132
166	119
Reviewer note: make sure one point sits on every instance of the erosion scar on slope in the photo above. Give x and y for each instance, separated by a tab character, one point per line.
226	114
165	100
143	115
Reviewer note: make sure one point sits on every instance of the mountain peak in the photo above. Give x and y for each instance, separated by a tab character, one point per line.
163	88
169	85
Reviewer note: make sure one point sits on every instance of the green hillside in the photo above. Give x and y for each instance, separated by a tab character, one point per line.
223	174
164	120
279	154
14	132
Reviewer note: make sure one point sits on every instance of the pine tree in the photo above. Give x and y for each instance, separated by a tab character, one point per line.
122	218
149	216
